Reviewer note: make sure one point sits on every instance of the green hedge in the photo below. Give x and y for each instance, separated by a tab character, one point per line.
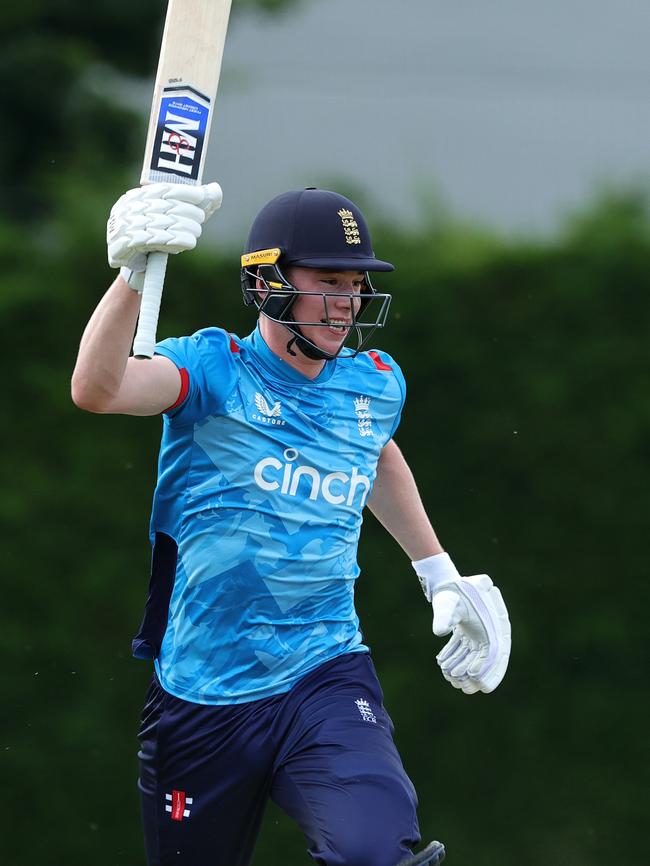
528	426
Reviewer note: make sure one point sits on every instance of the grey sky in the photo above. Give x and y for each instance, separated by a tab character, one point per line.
513	110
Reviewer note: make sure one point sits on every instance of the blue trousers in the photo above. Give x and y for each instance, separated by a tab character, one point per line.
324	752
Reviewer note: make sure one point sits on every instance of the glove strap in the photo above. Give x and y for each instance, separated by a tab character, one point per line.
434	571
133	279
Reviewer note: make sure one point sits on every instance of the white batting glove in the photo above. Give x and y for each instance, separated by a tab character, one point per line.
472	609
158	217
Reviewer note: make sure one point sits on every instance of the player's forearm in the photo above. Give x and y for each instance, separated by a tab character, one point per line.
105	348
396	503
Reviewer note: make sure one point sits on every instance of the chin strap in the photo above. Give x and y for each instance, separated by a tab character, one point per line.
302	343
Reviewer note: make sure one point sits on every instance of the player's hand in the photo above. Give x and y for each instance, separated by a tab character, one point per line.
158	217
476	656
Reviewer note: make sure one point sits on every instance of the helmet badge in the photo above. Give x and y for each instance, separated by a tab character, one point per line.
350	226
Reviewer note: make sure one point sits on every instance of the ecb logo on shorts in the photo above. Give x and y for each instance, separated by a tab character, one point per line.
365	711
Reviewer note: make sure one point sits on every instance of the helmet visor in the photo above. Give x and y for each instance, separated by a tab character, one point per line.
334	263
366	313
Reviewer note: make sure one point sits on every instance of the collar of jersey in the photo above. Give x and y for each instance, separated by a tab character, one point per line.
279	368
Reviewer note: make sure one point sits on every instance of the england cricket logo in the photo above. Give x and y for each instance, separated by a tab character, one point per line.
268	414
365	711
364	416
350	226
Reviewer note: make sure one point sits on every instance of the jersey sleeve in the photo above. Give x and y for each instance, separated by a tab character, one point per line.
401	382
387	365
208	373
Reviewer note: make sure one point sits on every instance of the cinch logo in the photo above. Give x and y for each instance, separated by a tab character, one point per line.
268	414
289	478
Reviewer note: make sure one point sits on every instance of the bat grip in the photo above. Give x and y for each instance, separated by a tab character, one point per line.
154	279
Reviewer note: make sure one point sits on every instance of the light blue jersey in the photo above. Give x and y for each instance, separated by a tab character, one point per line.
263	475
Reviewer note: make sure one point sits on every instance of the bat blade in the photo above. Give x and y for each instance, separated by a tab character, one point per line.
179	126
185	90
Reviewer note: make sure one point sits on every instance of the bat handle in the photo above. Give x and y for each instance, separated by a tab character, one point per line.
154	279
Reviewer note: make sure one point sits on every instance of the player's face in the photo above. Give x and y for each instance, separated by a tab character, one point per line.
338	308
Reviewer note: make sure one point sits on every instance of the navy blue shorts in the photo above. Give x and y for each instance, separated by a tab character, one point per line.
324	752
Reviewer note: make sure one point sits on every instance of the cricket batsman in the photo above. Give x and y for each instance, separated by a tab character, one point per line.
272	446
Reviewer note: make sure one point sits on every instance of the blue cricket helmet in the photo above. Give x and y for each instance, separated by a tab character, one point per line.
311	228
315	228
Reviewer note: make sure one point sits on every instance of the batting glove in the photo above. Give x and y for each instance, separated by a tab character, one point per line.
158	217
476	656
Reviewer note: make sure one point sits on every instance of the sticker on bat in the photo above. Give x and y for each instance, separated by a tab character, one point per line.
180	135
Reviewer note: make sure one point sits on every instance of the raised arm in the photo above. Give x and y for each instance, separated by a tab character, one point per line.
105	378
156	218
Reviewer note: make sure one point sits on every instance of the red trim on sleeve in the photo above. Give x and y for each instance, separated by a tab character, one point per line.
185	387
379	364
233	346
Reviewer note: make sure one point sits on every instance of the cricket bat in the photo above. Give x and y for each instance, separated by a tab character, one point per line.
179	126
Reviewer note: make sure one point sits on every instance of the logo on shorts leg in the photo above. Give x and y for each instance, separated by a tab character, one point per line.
178	803
366	713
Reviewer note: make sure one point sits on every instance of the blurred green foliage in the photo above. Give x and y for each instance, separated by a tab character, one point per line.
63	64
527	425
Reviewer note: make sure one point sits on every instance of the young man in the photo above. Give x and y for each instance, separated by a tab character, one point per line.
272	446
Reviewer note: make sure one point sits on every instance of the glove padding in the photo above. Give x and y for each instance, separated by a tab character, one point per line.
476	656
158	217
